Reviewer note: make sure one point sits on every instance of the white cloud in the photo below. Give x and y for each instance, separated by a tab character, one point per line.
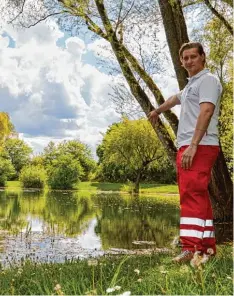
48	91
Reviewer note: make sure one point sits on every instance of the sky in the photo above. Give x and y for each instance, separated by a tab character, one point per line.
53	87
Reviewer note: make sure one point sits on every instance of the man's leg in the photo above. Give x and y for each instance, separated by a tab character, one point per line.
208	241
196	213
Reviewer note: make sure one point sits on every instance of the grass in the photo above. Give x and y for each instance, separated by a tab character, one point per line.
141	275
117	187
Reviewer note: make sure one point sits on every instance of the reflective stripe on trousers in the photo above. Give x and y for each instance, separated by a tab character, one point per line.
196	222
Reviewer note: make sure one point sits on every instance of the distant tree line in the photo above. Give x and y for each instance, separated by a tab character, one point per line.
129	152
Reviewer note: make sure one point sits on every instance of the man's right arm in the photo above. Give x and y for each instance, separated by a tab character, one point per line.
168	104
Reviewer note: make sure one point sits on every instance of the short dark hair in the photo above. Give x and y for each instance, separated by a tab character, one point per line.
190	45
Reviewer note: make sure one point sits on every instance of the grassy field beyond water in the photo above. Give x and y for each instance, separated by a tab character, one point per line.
96	186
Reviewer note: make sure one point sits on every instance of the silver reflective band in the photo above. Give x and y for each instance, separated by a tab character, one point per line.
192	221
208	234
209	223
191	233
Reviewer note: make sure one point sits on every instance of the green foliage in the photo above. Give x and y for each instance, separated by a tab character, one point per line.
76	151
219	41
33	177
130	148
6	127
19	153
64	172
226	124
6	168
37	160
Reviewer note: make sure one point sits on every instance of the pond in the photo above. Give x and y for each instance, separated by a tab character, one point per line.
56	226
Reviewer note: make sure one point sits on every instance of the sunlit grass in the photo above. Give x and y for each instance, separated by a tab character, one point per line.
140	275
13	184
117	187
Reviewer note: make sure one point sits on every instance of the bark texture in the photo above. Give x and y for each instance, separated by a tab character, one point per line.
176	34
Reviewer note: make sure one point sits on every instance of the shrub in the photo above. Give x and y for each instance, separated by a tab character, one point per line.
6	168
33	177
64	172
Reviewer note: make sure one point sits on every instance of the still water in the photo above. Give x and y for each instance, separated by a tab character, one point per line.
55	226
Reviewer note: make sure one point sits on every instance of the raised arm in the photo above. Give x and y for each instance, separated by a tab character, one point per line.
171	102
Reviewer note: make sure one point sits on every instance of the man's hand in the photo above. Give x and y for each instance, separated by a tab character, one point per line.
153	117
187	157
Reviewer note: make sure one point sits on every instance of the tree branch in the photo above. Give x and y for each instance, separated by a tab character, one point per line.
21	11
43	19
170	116
94	27
192	2
223	20
124	17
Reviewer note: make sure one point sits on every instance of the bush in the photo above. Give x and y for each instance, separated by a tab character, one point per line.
64	172
6	168
33	177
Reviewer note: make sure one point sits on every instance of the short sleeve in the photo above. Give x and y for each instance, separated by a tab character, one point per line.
210	90
179	95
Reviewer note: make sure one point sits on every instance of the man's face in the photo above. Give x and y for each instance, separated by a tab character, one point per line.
192	61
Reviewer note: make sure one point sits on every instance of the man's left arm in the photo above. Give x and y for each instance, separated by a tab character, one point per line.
203	121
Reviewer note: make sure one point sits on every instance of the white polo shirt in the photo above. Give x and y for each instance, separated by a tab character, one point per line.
202	87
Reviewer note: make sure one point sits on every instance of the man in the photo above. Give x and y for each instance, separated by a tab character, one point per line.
198	144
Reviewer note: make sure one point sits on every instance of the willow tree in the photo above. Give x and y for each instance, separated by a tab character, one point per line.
115	22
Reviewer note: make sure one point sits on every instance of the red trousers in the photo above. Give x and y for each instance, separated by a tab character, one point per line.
196	218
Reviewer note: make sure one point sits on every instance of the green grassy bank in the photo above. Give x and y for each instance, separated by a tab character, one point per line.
141	275
119	187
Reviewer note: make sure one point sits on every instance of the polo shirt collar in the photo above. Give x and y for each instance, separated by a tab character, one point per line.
204	71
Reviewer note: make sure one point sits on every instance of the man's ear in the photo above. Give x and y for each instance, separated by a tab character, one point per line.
181	60
203	57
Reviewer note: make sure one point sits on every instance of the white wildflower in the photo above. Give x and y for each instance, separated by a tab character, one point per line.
137	271
139	280
92	262
110	290
57	287
127	293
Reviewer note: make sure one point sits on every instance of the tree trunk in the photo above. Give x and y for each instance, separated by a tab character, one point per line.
176	34
220	187
221	191
137	182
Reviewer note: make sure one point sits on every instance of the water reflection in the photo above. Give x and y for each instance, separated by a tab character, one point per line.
58	225
142	219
